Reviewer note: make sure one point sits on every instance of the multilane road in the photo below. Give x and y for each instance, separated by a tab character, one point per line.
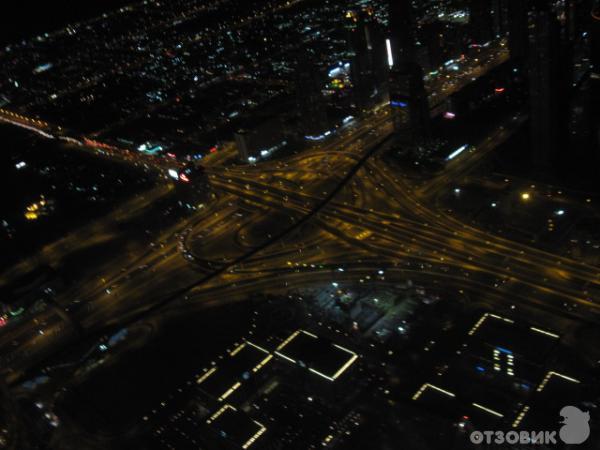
295	222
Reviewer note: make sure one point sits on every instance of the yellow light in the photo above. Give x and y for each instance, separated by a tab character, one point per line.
525	196
206	375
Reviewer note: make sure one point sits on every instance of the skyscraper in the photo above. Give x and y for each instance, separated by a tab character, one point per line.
367	50
544	86
577	15
310	104
481	21
595	39
518	30
408	97
402	31
595	76
500	17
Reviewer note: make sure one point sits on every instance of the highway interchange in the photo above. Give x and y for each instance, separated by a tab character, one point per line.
337	212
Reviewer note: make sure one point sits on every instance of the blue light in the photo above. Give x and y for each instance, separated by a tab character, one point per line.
397	103
480	369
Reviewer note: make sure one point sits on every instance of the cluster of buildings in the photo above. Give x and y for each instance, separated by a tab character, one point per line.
270	76
553	48
505	373
286	390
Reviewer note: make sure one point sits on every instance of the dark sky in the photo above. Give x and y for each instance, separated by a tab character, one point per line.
22	18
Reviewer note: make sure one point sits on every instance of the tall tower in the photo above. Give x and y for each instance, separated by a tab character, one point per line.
500	17
402	31
367	49
481	21
545	86
595	39
595	76
408	97
518	43
310	104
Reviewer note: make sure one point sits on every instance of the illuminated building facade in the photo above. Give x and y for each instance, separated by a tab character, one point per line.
408	97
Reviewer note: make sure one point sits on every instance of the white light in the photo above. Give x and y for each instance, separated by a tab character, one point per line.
335	285
547	333
174	174
457	191
21	165
457	152
335	72
293	361
390	56
491	411
560	212
494	204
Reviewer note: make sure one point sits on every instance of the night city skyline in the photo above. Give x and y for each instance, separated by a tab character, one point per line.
300	224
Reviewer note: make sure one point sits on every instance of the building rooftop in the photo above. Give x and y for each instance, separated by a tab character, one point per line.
320	356
236	426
